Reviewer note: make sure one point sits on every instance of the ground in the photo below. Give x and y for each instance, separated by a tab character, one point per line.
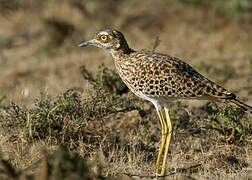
53	93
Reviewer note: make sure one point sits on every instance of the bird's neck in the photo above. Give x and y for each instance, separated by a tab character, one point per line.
117	54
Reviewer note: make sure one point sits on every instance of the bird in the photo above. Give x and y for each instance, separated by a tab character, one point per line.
160	79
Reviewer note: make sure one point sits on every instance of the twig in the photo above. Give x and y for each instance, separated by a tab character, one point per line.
2	98
87	75
156	44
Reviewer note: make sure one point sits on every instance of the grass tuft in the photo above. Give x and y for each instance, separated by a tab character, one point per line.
66	118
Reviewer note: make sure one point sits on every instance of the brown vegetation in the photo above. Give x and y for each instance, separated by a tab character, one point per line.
64	115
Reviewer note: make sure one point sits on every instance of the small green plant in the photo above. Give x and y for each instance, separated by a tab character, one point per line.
66	118
48	118
108	90
211	108
105	79
174	110
234	119
231	122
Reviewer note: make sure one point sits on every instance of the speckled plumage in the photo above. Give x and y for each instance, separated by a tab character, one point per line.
160	78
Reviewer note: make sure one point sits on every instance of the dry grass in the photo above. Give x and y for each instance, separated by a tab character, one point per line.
49	101
118	137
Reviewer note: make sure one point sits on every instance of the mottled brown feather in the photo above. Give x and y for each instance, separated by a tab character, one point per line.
155	76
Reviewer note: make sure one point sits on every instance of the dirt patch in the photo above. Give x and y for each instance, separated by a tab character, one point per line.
110	129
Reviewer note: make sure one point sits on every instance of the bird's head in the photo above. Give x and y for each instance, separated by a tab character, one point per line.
111	40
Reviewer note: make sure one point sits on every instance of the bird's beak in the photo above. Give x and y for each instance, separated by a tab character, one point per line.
86	43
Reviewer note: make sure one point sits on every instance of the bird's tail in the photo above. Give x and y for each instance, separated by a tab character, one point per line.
237	103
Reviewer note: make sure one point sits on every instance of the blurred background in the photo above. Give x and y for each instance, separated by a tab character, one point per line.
40	60
39	38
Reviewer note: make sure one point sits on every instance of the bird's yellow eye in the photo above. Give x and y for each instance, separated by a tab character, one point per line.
104	37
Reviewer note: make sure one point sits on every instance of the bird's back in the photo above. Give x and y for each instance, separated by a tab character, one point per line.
161	76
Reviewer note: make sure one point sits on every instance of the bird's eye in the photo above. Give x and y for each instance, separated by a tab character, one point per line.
104	37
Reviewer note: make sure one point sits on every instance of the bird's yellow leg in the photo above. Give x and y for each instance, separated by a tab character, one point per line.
164	134
168	139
